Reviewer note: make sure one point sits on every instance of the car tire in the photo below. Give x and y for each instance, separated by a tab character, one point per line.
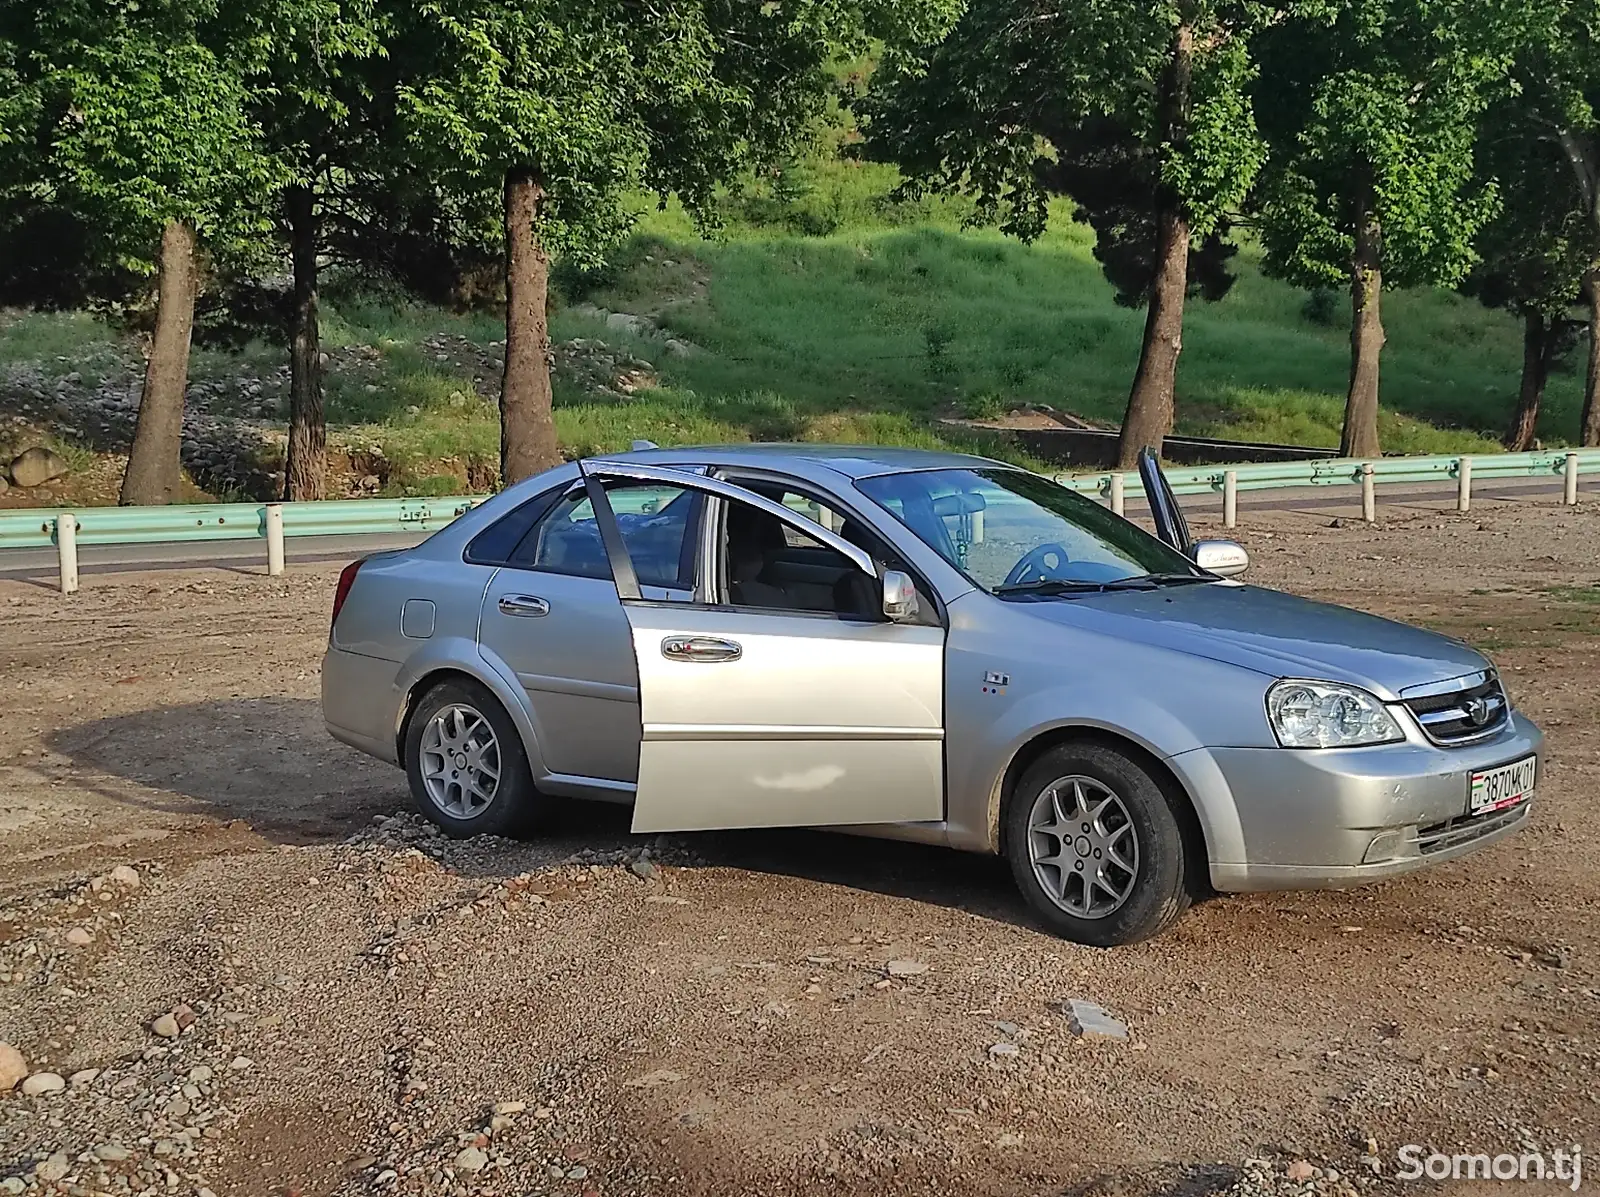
1096	847
456	736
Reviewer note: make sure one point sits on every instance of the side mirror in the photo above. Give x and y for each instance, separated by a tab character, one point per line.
899	596
1225	558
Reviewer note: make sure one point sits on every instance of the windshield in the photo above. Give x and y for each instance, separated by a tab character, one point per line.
1014	532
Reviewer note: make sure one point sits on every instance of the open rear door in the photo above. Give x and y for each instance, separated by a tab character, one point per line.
1170	525
770	717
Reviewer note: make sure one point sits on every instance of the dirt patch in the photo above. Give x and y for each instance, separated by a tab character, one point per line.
420	1016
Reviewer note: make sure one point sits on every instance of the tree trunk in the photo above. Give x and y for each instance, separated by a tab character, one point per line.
1589	435
155	473
1360	437
527	424
1537	342
305	469
1150	404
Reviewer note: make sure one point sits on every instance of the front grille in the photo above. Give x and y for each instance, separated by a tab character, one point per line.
1452	833
1474	711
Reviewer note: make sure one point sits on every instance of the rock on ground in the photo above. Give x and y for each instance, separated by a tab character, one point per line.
36	466
43	1082
1090	1021
13	1068
54	1168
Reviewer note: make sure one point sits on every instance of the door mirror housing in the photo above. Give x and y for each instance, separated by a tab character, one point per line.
1225	558
899	596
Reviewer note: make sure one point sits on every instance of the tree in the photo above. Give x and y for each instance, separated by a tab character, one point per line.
1534	254
1371	108
1139	111
539	119
137	124
1559	78
322	123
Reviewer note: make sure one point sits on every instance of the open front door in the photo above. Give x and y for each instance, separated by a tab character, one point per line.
768	715
1164	510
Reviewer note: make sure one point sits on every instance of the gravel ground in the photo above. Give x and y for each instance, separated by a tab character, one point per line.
252	973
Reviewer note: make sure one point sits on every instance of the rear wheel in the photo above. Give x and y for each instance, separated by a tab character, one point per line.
466	765
1095	846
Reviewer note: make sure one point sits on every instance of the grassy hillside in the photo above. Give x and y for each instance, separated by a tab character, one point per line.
824	311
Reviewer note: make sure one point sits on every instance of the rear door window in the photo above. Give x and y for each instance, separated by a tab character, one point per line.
654	521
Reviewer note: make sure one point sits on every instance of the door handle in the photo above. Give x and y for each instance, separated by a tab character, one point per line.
705	649
526	605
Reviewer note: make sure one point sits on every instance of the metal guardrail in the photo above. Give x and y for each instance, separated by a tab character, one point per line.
36	529
1346	471
66	529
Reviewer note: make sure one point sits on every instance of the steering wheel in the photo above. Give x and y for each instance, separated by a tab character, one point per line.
1041	564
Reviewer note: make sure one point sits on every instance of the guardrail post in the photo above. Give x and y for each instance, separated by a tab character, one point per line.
1464	485
977	527
1230	498
1369	500
1569	494
67	549
274	539
1116	494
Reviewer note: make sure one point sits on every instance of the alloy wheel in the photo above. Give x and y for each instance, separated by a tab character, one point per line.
1083	846
459	760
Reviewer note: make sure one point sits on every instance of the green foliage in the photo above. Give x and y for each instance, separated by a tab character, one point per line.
1374	105
1323	307
985	405
840	325
1017	104
1535	252
1542	145
600	100
135	115
317	102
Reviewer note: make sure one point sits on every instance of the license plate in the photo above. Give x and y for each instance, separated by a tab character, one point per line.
1503	786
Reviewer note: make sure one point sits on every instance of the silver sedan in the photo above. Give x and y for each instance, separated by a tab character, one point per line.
922	646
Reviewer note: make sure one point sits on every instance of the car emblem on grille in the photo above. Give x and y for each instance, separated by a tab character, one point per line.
1477	711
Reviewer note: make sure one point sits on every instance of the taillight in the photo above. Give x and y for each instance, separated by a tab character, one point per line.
347	579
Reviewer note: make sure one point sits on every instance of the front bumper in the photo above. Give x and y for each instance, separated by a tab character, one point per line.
1280	818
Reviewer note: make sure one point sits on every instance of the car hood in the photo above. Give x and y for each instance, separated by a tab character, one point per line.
1270	632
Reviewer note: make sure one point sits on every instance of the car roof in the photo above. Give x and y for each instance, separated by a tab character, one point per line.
852	461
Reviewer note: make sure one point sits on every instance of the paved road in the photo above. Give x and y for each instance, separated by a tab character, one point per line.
250	556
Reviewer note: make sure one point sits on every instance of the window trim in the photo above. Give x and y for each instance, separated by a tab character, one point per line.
551	499
711	487
711	574
893	557
721	489
540	505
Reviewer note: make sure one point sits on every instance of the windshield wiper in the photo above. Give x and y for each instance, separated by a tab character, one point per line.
1168	579
1057	586
1048	586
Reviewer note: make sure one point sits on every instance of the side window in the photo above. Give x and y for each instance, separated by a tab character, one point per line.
804	574
654	521
768	564
496	543
812	509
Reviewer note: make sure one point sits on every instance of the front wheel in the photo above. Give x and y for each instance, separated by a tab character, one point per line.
466	764
1095	846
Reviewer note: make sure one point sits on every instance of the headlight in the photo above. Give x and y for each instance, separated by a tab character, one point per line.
1328	715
